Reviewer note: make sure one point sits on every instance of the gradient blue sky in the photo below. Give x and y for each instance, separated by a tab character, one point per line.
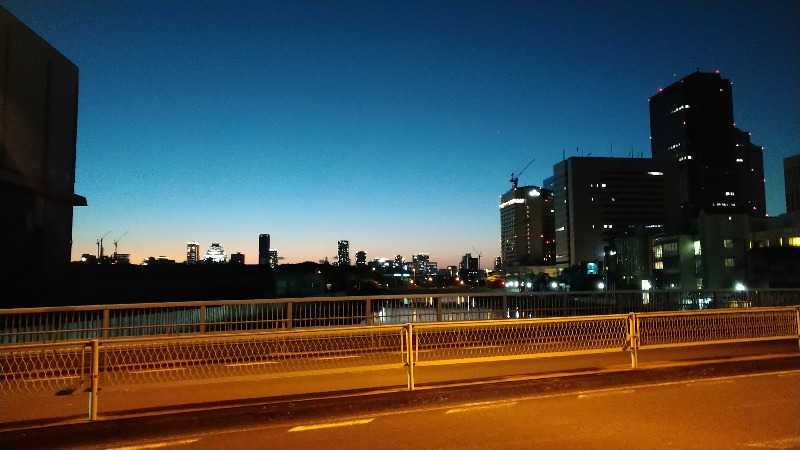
394	125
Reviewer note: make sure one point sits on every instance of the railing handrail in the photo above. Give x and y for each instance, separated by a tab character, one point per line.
409	295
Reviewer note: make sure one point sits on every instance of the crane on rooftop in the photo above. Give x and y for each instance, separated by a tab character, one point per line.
116	241
100	245
514	179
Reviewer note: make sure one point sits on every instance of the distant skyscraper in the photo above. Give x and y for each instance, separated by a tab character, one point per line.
791	177
237	258
273	257
598	199
691	122
263	249
344	253
527	227
750	174
361	258
192	252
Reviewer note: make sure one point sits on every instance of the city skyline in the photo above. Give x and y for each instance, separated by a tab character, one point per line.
394	126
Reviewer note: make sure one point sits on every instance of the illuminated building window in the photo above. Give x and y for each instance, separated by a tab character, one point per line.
794	241
729	262
727	243
658	265
697	249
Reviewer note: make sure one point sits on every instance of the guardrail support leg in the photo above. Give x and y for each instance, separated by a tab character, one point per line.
95	379
410	356
633	340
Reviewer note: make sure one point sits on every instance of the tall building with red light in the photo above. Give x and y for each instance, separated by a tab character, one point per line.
691	122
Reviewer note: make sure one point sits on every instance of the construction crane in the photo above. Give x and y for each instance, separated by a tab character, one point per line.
100	245
479	253
514	179
116	241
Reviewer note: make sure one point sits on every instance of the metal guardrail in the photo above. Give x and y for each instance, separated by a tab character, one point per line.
153	319
67	367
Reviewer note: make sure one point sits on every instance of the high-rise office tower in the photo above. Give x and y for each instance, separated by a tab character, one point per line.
599	199
527	227
192	252
263	249
750	174
691	122
344	253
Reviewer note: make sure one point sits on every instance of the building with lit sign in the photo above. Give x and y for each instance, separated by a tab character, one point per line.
527	227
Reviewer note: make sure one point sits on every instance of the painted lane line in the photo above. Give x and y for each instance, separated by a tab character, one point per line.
326	358
36	380
480	407
606	394
331	425
156	445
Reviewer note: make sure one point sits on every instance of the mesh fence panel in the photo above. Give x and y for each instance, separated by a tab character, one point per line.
719	325
134	362
44	368
502	339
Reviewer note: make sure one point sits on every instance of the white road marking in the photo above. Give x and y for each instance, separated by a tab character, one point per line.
606	393
331	425
156	445
782	443
480	406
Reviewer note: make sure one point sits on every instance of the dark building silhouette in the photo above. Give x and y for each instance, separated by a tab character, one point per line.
750	174
691	122
791	178
38	130
263	250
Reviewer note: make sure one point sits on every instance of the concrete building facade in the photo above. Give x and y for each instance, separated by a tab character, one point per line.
600	199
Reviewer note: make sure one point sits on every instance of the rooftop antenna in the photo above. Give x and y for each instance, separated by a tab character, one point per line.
515	179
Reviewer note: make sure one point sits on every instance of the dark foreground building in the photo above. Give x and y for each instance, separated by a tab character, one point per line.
38	131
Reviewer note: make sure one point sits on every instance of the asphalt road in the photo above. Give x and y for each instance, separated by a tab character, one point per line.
750	411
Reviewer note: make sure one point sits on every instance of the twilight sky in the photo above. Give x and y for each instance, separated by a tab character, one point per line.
394	125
